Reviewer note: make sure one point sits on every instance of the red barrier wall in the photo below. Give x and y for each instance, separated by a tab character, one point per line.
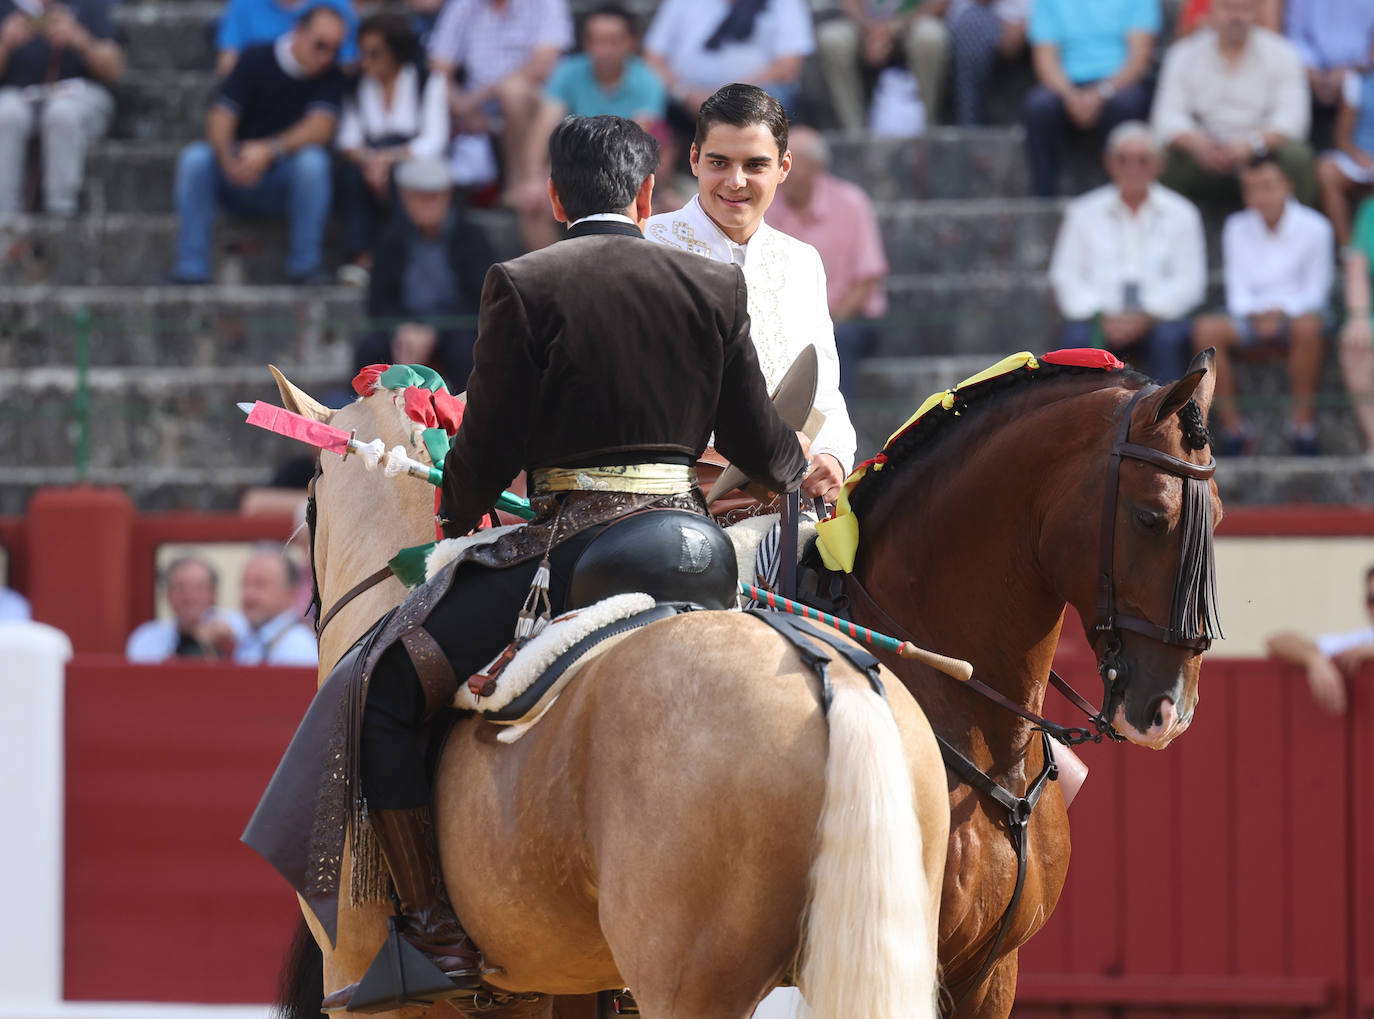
1226	877
164	767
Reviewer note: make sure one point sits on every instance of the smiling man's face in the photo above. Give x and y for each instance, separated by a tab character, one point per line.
738	171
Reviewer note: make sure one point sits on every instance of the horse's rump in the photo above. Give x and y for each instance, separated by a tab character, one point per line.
660	801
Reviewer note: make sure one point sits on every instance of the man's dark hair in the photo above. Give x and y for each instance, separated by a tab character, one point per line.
190	560
1267	158
393	28
1368	576
610	11
743	106
599	163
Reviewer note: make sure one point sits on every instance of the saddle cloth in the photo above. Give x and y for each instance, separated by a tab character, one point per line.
527	687
756	541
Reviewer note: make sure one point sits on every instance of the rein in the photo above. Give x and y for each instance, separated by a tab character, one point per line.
1194	599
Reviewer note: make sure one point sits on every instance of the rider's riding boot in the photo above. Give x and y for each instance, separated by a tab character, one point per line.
428	921
412	855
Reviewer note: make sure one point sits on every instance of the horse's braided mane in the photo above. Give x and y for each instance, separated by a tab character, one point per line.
1195	434
924	434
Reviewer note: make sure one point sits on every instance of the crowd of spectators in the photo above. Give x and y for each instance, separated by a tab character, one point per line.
1253	108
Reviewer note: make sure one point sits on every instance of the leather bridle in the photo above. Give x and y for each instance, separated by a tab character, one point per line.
1109	622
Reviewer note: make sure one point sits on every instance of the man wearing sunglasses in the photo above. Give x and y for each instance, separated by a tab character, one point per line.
265	153
1130	261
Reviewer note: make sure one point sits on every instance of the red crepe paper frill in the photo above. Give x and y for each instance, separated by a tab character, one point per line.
365	382
1084	357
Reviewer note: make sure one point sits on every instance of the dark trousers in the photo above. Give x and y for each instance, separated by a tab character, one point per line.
362	209
1163	353
1183	174
472	623
1047	120
973	40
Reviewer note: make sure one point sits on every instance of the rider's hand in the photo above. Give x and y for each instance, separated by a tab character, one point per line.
823	478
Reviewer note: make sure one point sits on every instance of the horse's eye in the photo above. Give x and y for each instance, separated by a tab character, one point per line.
1152	521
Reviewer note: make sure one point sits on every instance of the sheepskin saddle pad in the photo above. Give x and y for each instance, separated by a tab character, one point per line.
529	684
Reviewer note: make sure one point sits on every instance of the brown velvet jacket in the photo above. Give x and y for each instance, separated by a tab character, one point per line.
605	349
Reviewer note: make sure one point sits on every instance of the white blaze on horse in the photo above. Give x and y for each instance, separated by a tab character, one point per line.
686	820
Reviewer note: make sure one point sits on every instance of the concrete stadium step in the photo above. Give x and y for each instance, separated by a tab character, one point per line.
190	327
168	36
977	313
163	105
954	162
149	428
132	249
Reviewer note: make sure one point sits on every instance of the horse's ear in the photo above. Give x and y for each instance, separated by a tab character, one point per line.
297	399
1197	384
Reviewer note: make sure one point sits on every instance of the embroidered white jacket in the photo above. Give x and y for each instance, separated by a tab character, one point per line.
787	308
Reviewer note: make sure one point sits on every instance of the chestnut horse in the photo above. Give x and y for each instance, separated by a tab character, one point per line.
683	821
974	535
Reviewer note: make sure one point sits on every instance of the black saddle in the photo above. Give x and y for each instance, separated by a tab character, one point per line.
673	555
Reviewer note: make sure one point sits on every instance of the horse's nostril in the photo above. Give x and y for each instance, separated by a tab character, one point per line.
1159	719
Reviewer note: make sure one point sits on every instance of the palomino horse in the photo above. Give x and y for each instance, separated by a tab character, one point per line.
977	530
683	820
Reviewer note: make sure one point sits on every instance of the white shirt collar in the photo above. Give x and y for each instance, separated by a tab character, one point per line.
286	58
705	229
604	217
1119	205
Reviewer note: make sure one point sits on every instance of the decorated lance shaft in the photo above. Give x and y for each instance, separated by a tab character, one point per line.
955	667
336	440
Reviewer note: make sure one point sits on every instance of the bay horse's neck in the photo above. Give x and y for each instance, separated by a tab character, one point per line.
952	550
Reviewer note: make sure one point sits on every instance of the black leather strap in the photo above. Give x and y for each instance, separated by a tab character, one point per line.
1019	810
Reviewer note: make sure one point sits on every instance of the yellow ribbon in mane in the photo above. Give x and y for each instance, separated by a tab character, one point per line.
838	536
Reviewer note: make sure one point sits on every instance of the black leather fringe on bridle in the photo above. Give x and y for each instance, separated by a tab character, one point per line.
1195	589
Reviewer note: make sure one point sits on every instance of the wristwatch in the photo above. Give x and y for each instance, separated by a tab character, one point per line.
1105	88
278	149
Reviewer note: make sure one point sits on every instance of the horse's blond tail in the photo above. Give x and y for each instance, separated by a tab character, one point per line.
869	946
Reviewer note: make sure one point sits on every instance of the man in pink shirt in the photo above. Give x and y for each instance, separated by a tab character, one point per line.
836	218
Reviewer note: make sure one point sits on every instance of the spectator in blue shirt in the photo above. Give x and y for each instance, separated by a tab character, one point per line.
1090	60
1331	37
265	153
249	22
605	78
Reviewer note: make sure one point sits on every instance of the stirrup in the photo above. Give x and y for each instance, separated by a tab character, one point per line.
403	975
622	1002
